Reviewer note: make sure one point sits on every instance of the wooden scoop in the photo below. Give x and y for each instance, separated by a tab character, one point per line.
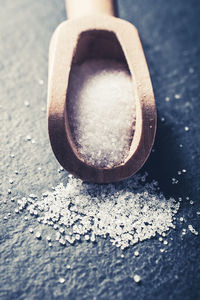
92	32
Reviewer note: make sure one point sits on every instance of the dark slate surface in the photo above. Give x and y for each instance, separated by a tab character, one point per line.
29	269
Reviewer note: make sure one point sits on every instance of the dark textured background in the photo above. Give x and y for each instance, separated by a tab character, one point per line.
29	269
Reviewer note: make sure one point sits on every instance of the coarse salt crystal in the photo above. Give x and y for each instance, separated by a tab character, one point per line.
191	228
61	280
28	138
177	96
38	235
26	103
62	241
136	253
137	278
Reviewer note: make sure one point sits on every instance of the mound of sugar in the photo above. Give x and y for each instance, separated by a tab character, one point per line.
129	212
101	111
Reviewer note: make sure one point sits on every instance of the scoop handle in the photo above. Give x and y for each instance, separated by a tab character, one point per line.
79	8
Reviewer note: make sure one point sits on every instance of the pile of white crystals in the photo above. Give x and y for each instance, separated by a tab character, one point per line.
101	111
127	212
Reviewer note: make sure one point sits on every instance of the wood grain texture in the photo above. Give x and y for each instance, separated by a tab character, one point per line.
62	52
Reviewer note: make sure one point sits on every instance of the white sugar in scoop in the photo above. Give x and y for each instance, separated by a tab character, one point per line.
101	111
94	60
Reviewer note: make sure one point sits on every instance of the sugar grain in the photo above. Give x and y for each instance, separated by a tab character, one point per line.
127	213
101	111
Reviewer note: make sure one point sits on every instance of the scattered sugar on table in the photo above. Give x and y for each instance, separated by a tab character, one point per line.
61	280
137	278
128	212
